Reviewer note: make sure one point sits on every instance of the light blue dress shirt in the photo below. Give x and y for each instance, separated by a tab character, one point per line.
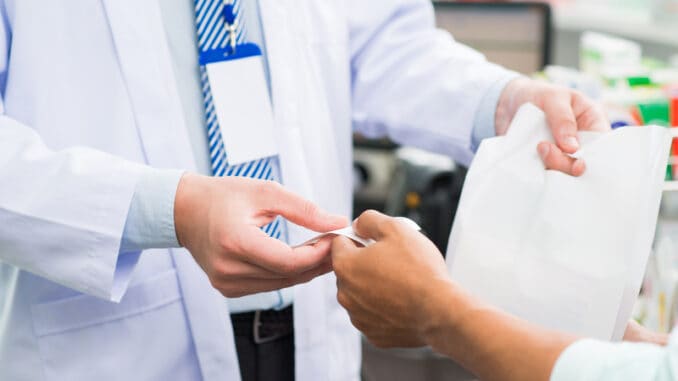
602	361
150	222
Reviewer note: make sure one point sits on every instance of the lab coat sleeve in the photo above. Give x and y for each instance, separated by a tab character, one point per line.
62	213
602	361
413	82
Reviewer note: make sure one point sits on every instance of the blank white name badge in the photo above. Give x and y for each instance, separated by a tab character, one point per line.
242	103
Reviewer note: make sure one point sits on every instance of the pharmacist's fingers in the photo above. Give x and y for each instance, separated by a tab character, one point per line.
590	116
560	116
556	159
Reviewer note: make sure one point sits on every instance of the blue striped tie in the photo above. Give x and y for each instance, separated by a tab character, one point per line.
214	33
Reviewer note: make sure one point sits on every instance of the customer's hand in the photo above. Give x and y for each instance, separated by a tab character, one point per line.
218	220
389	287
398	293
567	111
639	334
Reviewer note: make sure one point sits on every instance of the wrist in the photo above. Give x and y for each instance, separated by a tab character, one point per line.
444	311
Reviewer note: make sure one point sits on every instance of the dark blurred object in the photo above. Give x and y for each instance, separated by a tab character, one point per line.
379	144
426	188
409	182
373	165
400	364
513	34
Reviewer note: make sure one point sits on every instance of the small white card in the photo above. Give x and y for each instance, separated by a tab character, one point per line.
243	108
350	234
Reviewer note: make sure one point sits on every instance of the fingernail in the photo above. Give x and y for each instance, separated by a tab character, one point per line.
578	167
543	150
572	142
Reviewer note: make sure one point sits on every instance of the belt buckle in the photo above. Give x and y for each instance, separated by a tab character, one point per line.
257	335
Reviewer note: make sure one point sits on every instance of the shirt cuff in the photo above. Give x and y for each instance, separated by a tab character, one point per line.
150	220
483	125
590	359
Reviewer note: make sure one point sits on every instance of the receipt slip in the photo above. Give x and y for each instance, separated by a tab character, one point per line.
349	233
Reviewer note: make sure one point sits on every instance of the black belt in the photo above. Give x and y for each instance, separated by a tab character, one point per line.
264	326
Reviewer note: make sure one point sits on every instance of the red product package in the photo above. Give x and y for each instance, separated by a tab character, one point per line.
637	118
672	95
674	124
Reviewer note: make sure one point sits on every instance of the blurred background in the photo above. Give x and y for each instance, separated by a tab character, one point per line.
623	53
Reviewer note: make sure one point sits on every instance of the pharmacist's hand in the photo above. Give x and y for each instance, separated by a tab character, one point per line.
637	333
567	111
218	220
389	288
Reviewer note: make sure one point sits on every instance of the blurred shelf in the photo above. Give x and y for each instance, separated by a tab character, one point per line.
629	23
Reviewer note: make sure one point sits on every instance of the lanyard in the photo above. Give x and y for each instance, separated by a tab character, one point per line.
234	50
231	23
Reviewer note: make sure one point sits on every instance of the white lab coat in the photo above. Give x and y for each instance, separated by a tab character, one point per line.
96	74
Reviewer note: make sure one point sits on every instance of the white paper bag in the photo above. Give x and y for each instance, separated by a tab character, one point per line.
563	252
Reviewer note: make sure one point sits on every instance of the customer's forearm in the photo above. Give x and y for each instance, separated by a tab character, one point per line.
492	344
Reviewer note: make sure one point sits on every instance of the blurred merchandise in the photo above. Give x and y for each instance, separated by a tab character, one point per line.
634	90
635	20
607	56
588	84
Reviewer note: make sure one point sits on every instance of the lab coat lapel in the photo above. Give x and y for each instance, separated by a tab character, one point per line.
310	307
145	61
